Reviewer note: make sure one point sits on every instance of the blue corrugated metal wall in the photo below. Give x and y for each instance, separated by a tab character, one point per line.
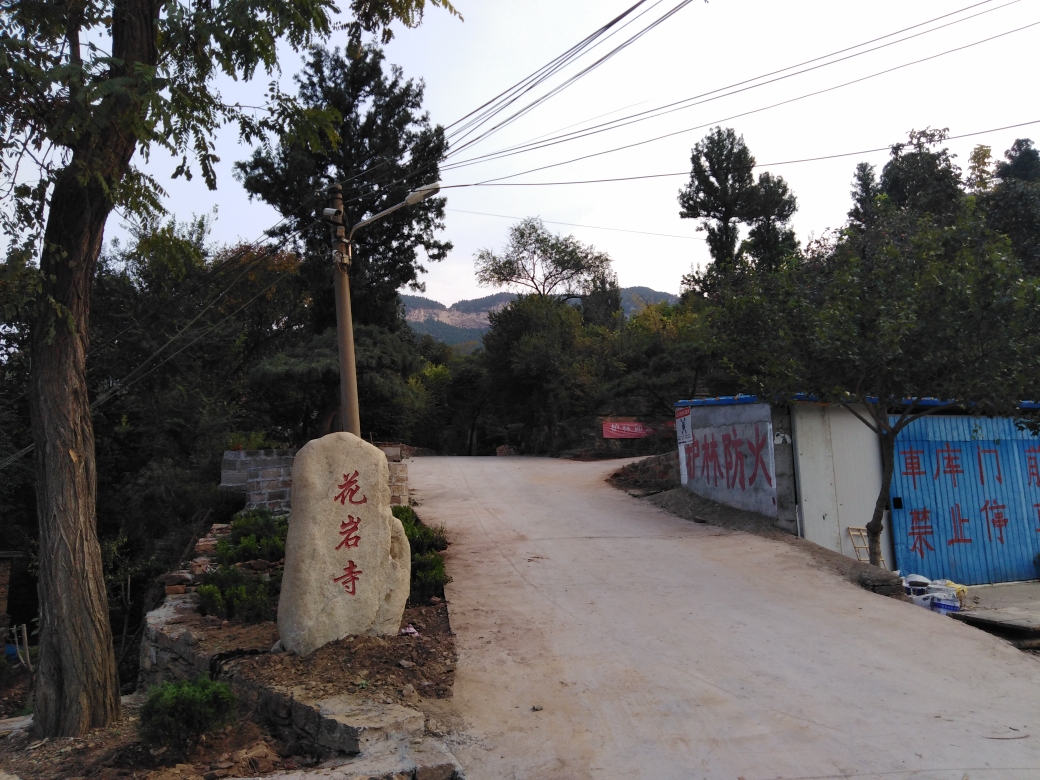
970	494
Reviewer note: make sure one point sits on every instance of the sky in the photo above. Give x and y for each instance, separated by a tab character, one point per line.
701	48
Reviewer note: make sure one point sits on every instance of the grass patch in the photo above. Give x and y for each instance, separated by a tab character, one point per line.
427	542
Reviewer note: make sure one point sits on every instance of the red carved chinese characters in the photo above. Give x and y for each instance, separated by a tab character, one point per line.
348	489
995	518
982	472
959	521
757	447
920	529
949	460
693	451
734	459
1032	466
710	459
348	529
912	466
348	579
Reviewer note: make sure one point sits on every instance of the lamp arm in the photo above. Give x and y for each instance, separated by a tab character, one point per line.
375	217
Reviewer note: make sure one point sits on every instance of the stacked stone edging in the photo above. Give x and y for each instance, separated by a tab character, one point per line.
326	727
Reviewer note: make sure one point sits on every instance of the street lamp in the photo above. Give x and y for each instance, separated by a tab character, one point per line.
343	245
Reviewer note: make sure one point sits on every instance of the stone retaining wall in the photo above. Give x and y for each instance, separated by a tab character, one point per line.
387	741
265	477
169	654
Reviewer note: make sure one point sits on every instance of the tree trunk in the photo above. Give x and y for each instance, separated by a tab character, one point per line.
887	440
77	687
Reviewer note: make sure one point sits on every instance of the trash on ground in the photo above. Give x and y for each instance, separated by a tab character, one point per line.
942	596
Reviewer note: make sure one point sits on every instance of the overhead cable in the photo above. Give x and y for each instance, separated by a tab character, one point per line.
509	95
756	165
718	94
573	79
591	227
764	108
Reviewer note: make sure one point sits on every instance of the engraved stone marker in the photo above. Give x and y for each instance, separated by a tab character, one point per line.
347	560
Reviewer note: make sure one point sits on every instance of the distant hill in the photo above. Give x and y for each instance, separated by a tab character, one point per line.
487	303
633	299
467	321
418	302
449	334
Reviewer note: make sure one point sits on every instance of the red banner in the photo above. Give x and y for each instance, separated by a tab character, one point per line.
630	430
626	430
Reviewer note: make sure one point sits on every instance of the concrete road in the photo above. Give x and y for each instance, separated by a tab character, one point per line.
662	649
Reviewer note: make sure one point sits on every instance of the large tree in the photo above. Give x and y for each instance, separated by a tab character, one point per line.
82	86
1012	206
383	147
547	264
723	194
902	306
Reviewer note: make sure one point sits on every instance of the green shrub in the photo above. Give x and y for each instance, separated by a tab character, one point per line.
5	669
177	714
255	533
253	440
232	594
422	538
211	602
428	574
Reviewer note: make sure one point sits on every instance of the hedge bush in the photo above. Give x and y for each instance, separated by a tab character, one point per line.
428	574
255	533
176	715
232	594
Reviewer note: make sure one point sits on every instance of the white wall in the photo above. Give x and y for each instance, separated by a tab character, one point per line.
838	468
735	477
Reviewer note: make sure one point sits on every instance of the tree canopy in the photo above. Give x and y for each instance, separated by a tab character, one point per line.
916	298
723	194
382	147
545	263
82	86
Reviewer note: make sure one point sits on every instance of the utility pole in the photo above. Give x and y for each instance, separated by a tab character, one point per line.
342	252
349	415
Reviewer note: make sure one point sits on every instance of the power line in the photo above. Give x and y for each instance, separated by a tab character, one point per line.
713	95
506	97
764	108
449	166
575	224
576	77
756	165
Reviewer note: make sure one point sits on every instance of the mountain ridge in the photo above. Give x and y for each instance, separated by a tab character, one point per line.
467	320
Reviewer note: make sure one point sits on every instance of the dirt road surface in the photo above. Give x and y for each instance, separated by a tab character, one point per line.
658	648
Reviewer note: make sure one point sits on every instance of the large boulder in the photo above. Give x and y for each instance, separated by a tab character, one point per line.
347	561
